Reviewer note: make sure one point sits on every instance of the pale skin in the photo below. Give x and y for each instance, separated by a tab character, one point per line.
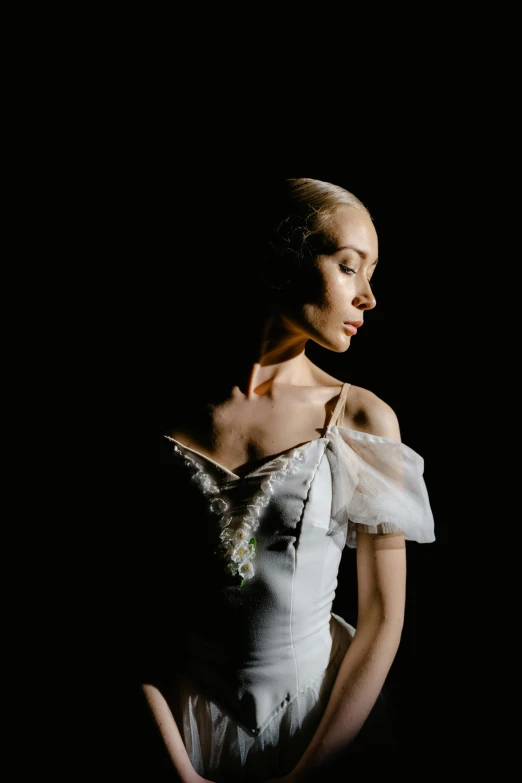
282	400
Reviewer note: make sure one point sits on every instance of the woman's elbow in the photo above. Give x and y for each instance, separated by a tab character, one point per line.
383	618
392	624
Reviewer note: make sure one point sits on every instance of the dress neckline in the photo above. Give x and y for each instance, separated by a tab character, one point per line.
282	455
331	423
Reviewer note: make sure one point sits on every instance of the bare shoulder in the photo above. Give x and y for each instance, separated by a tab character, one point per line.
367	412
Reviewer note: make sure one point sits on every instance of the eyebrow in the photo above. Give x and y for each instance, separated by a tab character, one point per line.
362	253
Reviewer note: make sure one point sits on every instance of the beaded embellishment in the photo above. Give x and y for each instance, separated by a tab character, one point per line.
237	541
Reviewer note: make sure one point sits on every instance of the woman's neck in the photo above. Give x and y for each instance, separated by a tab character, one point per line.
277	357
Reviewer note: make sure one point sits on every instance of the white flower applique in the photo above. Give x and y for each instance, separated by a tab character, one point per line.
237	541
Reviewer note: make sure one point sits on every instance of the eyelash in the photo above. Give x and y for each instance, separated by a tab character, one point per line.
348	271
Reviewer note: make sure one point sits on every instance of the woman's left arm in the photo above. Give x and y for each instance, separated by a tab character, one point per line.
381	567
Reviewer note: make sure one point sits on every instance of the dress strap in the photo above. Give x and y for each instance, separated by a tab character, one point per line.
339	408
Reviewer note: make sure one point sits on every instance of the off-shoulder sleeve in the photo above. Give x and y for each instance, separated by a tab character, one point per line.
378	487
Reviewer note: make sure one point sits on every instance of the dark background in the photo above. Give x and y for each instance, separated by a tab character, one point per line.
119	156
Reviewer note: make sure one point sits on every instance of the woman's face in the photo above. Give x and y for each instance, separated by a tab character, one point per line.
336	290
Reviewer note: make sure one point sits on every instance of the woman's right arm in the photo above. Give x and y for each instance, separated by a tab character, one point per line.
171	736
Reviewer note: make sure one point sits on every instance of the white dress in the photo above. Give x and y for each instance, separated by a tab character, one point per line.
249	673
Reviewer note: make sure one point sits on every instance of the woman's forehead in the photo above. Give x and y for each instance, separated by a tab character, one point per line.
350	226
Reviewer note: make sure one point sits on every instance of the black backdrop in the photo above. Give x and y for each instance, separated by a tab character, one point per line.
120	155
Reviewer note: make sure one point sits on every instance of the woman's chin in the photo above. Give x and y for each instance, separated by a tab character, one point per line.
336	346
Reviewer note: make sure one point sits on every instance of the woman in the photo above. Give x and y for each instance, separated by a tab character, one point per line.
266	473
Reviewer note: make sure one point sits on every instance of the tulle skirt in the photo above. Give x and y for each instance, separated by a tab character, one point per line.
221	750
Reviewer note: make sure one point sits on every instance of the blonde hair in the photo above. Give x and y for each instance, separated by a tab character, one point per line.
321	196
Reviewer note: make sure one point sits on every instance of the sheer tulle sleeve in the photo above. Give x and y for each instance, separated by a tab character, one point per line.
378	487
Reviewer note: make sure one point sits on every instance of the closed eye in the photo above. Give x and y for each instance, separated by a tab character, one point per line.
349	271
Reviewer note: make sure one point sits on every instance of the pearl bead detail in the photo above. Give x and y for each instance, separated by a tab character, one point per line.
237	541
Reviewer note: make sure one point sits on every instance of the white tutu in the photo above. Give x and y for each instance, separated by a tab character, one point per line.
224	751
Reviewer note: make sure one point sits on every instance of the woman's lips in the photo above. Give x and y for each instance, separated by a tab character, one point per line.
352	326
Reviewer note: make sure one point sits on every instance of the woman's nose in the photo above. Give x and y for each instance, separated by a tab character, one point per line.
365	299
